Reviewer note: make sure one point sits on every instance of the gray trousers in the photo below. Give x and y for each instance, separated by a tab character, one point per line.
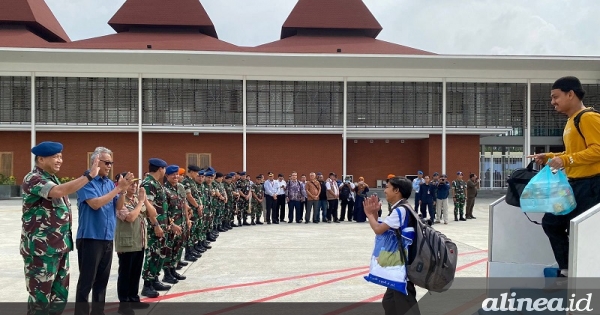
310	205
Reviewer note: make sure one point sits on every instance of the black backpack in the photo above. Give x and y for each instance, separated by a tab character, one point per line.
516	183
577	119
345	192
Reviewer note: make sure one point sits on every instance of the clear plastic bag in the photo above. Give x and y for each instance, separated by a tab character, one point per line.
549	191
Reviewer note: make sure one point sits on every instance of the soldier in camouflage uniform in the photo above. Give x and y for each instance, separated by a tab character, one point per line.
221	195
230	206
178	215
202	244
46	238
208	206
258	194
214	202
195	204
459	195
159	225
243	187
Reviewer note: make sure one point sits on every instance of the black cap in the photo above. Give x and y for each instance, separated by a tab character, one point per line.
218	175
193	168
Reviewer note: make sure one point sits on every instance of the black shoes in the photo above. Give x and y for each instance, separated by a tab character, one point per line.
176	275
168	277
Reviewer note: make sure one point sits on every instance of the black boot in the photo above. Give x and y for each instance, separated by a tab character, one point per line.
168	277
462	218
176	275
199	247
189	257
232	224
195	253
221	229
149	290
125	309
207	245
246	221
456	217
159	286
258	222
182	263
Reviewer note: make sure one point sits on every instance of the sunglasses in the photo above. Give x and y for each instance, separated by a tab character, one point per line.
107	163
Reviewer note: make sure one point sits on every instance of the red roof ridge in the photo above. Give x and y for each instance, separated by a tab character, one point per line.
36	15
326	15
162	13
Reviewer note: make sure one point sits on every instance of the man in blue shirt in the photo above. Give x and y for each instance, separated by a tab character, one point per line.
427	199
416	185
98	202
443	190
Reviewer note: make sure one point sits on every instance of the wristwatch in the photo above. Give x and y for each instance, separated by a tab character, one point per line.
87	174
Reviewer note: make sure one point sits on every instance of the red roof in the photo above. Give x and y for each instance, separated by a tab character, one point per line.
331	44
34	14
331	14
162	13
157	39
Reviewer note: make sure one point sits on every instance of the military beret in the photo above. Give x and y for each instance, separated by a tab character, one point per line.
211	169
193	168
228	176
459	173
436	174
241	173
259	176
47	148
420	172
280	175
172	169
231	174
218	175
157	162
181	171
319	173
209	173
201	172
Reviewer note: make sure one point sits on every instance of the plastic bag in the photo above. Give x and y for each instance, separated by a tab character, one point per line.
387	266
549	192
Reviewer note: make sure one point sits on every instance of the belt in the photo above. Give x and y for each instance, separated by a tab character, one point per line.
583	178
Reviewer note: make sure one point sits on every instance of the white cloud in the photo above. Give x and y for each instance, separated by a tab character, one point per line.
533	27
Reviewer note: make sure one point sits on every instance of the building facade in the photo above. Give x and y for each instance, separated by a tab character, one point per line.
319	99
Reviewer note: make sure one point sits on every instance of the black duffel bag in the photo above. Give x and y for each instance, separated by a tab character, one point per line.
517	182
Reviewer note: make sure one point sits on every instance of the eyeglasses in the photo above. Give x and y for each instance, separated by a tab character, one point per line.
107	163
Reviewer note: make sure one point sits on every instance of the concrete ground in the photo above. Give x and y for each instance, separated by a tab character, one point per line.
275	263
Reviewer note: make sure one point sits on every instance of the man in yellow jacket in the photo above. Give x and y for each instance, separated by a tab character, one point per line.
580	160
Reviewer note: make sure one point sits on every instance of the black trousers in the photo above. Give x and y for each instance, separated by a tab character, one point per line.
350	205
332	207
556	227
281	207
130	271
396	303
95	259
271	209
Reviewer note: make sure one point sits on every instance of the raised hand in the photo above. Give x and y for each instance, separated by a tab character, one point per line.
95	168
372	205
142	195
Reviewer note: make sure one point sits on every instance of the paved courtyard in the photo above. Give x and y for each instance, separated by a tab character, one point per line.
269	263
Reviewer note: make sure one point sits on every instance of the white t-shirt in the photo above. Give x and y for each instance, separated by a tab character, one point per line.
392	220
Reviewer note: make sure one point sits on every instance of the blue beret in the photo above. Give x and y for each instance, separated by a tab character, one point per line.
436	174
172	169
47	148
459	173
242	173
201	172
209	173
420	172
231	174
228	176
157	162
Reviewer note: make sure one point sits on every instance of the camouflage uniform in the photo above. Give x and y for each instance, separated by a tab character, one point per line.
46	241
243	185
208	207
176	202
230	205
459	204
257	192
156	251
220	204
191	187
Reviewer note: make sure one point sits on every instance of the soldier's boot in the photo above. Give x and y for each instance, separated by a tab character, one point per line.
252	222
226	225
188	256
232	224
168	277
181	264
456	217
221	229
246	221
148	290
258	222
210	237
207	245
176	275
195	253
159	286
462	218
199	248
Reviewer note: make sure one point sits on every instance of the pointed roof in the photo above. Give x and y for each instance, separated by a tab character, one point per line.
163	13
36	15
349	15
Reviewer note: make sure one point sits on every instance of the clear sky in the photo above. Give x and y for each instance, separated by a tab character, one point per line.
472	27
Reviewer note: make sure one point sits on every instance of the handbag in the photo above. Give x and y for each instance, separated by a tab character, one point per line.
517	182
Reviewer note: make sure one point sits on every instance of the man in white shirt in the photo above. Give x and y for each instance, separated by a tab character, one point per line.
271	196
281	185
333	195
